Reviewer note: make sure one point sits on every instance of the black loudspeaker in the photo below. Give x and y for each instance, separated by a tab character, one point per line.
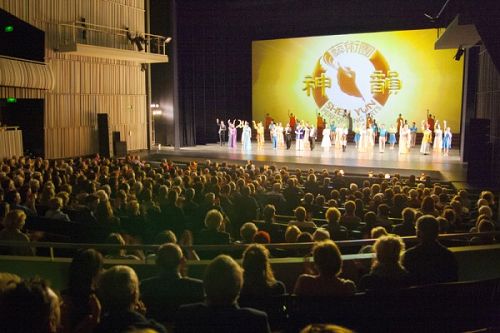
103	134
120	149
116	136
479	159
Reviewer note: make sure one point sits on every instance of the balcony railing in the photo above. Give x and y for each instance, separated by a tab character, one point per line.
79	32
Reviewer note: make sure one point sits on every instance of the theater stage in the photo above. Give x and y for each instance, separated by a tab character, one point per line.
448	168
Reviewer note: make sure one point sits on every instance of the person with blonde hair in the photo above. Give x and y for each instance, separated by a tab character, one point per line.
328	262
386	271
13	223
213	232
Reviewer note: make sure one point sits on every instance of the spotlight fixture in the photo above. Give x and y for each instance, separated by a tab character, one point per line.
459	54
168	40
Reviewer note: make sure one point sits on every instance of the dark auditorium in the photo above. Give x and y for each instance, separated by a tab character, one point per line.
249	166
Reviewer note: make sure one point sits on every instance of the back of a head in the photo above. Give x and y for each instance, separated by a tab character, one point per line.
247	231
169	257
325	328
118	289
427	228
256	263
300	213
223	280
388	249
408	215
29	307
327	258
213	219
83	272
332	215
268	213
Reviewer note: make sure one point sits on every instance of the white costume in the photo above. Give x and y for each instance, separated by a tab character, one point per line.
438	139
326	142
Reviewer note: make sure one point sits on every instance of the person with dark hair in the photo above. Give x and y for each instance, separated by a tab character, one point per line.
328	262
407	228
118	291
30	306
429	261
164	293
274	230
349	219
259	281
337	232
79	299
221	313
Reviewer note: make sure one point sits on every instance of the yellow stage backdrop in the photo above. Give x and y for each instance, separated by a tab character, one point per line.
379	74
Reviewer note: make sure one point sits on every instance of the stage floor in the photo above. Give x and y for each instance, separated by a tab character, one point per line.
437	166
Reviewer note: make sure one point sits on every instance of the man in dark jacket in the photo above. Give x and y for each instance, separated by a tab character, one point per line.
220	312
430	262
164	293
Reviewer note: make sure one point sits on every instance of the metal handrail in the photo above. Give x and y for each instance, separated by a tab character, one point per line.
118	37
234	246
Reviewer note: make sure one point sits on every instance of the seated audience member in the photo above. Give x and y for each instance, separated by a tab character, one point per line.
79	299
258	276
386	271
349	219
320	234
300	219
337	232
261	237
29	306
275	231
325	328
407	228
429	261
118	253
328	262
375	233
13	223
484	226
55	212
118	292
221	313
164	293
247	231
291	234
428	207
383	217
212	234
4	209
7	281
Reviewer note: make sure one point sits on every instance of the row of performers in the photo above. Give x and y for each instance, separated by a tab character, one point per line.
364	138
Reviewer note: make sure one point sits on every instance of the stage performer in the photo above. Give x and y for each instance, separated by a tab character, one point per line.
426	138
392	136
438	138
375	131
363	140
326	141
399	123
447	141
222	131
413	134
292	121
338	137
259	128
246	135
382	138
344	139
333	129
299	137
404	132
312	136
357	137
370	139
274	134
281	137
306	135
430	121
288	136
232	133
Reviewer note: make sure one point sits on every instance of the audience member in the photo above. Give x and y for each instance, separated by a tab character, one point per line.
429	261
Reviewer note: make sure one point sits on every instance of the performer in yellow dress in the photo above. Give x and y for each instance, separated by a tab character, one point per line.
426	139
260	133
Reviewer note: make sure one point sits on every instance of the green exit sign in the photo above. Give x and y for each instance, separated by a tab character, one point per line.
8	28
11	100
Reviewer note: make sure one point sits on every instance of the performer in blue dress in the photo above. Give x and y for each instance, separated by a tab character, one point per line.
447	141
246	136
392	136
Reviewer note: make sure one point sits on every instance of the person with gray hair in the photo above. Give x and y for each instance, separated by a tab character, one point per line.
118	291
430	262
220	312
